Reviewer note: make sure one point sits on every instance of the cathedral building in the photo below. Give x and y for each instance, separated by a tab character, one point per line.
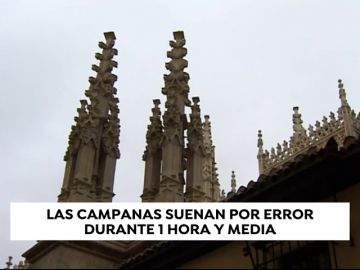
318	164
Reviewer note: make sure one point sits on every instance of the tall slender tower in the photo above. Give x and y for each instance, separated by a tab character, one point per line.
94	139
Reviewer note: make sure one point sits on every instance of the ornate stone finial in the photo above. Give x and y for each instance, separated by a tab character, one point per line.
233	182
156	112
208	143
208	149
210	175
103	106
9	263
155	130
195	108
299	138
298	128
195	186
342	94
152	155
344	109
260	143
177	79
156	107
346	114
194	130
101	91
215	179
261	157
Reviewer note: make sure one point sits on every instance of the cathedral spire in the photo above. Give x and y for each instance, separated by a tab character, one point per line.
94	139
342	95
166	157
233	182
260	155
210	176
176	90
195	155
345	112
215	181
152	155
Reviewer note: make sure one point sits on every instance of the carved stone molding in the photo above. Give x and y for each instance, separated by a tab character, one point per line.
338	127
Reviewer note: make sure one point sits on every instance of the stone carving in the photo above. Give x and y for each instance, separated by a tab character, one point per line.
339	128
194	129
152	155
95	117
215	183
208	143
195	184
175	158
110	138
177	78
101	91
74	137
172	118
209	170
155	131
94	139
166	158
176	90
233	182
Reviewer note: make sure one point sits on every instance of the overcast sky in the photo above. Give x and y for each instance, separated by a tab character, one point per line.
249	61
